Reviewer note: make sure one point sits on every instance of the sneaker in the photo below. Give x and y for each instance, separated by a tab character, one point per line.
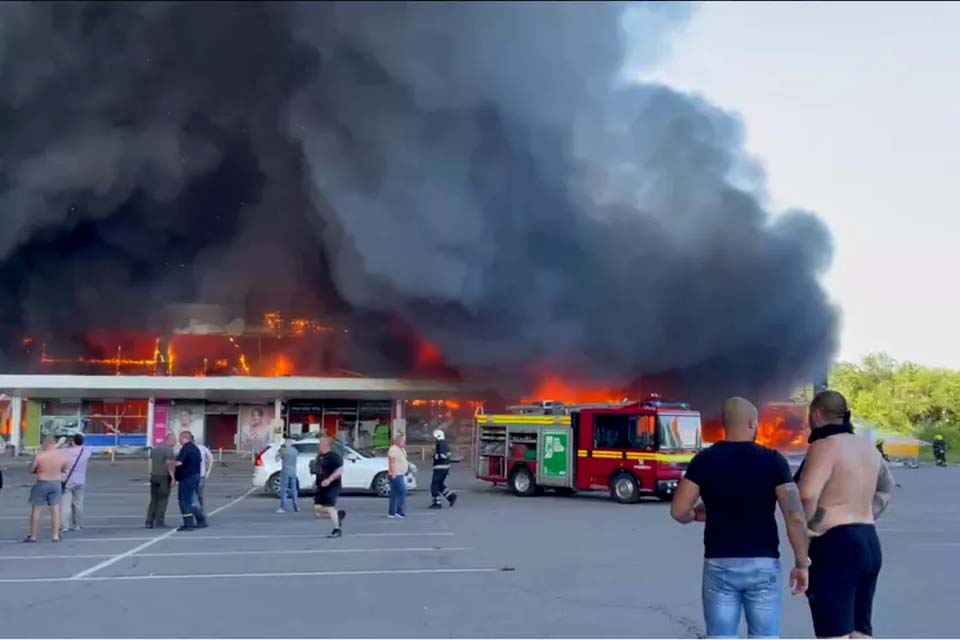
452	499
56	540
296	509
28	539
76	528
336	533
186	528
435	505
280	511
401	516
149	525
390	515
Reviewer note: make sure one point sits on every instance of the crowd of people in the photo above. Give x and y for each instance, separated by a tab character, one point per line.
327	467
829	507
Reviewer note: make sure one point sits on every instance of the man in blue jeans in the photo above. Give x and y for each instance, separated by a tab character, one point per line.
397	467
287	457
187	474
741	483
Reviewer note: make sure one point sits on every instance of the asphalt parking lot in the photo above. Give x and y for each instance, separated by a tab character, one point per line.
495	566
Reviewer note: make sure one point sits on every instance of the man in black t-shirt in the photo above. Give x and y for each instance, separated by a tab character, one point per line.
740	483
329	469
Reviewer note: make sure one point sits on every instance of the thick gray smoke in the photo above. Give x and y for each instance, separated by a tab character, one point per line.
481	171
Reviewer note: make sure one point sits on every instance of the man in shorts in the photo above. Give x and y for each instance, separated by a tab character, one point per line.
48	466
329	470
844	485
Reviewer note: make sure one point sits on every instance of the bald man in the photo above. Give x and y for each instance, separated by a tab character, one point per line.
845	485
741	483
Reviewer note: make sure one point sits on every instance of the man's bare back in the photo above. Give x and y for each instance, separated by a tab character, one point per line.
847	473
49	465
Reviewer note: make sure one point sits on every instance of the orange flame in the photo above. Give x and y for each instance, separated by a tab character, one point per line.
557	389
282	366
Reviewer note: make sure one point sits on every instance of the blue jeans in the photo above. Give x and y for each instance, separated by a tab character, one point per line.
398	496
292	485
748	585
191	511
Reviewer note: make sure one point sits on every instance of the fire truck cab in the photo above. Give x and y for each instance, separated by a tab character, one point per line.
630	449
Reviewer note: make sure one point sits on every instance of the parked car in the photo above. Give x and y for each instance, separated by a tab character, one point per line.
360	472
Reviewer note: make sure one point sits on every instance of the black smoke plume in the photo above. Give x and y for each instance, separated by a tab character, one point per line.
480	171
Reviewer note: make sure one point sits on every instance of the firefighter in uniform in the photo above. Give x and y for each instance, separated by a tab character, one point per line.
441	467
940	450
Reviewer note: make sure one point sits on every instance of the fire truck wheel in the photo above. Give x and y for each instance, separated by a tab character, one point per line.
522	482
624	488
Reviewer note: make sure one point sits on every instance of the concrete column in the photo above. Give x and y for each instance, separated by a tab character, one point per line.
278	411
399	425
16	419
151	420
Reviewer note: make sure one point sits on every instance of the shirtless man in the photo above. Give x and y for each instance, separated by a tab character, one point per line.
48	466
844	485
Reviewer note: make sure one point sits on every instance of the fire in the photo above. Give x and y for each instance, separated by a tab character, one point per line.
555	388
782	426
428	355
282	366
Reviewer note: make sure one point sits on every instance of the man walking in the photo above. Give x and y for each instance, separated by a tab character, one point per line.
206	466
397	474
441	468
48	466
187	467
329	468
74	483
845	486
740	483
160	481
287	456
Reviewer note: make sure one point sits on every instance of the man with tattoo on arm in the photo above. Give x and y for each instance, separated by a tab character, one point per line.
740	483
845	485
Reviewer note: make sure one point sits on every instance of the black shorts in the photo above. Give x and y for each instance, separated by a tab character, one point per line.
327	496
845	564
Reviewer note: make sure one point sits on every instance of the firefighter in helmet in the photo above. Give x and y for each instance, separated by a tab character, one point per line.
940	450
441	467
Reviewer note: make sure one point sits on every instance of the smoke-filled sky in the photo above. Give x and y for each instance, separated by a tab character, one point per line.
484	172
854	111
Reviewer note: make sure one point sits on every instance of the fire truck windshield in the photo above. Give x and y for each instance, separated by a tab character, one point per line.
679	431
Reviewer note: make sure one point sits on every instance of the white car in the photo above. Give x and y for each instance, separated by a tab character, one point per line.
360	472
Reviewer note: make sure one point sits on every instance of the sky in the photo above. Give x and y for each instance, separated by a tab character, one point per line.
854	110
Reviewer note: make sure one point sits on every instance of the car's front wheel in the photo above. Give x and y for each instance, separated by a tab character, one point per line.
381	485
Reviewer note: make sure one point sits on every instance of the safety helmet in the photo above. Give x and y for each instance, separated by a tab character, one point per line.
938	437
438	434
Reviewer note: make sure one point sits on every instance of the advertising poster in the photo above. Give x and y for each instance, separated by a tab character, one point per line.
255	427
159	422
181	416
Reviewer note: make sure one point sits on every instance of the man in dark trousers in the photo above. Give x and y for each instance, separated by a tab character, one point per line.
187	473
160	481
441	468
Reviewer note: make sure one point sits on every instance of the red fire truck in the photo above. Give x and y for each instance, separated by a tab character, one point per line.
630	449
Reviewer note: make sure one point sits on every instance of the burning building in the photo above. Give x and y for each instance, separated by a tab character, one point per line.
386	191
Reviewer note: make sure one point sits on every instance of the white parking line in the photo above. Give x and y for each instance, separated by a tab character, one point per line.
278	574
117	558
85	517
257	552
190	538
